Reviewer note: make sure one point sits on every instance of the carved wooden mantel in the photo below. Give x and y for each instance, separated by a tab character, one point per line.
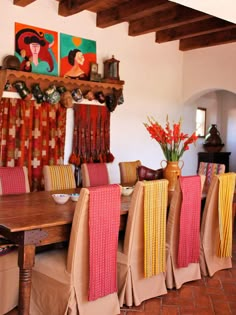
46	80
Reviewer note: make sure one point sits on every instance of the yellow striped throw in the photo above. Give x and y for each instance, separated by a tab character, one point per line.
225	204
62	177
155	207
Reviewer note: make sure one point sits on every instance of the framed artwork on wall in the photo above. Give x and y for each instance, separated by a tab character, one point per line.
76	55
37	49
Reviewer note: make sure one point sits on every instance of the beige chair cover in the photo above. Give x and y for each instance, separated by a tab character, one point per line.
175	277
58	177
9	282
133	288
129	172
9	271
60	277
210	262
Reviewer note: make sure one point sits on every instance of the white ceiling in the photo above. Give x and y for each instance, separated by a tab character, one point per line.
224	9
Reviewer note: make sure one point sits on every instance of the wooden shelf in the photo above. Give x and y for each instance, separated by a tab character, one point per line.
46	80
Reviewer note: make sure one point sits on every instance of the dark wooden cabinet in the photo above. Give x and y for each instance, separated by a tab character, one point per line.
215	157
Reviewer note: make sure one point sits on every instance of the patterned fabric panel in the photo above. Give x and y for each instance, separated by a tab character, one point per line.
155	207
226	194
98	174
104	221
210	169
62	177
12	180
189	242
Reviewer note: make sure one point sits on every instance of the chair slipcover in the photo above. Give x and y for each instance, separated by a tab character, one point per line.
9	281
217	218
209	170
129	173
60	279
133	287
14	180
58	177
94	174
183	237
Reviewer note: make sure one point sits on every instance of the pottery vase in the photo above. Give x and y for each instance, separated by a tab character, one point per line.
171	172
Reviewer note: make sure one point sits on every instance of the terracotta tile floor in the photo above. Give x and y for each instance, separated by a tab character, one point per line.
208	296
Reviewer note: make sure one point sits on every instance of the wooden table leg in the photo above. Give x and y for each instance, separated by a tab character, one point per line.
26	255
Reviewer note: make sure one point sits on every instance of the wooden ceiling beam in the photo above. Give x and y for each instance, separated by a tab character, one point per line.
166	19
213	39
71	7
23	3
131	10
193	29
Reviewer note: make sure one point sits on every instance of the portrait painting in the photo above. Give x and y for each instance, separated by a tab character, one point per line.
76	55
37	49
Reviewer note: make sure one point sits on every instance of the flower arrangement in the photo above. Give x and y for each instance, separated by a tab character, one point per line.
173	142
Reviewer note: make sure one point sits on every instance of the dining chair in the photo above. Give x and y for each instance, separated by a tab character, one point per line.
83	278
58	177
94	174
14	180
217	225
209	170
141	270
182	237
9	281
128	172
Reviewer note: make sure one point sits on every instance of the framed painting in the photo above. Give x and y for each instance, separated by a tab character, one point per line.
37	49
76	55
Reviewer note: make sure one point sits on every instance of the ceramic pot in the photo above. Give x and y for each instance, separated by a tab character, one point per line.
213	142
171	172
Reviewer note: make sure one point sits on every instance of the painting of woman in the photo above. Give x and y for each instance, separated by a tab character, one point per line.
76	55
76	60
36	46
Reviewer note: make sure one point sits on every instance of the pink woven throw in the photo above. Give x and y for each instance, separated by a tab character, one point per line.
104	221
13	180
98	174
189	237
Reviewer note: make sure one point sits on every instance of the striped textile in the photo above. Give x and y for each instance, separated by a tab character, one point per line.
104	221
98	174
226	194
189	238
209	170
12	180
155	207
62	177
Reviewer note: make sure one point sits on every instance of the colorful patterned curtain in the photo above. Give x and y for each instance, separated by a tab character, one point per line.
31	134
91	139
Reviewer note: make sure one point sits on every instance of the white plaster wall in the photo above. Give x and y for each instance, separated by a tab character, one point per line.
208	81
152	74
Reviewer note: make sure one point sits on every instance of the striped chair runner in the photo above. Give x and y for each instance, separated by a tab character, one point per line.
58	177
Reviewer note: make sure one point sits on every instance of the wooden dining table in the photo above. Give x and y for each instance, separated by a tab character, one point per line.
34	219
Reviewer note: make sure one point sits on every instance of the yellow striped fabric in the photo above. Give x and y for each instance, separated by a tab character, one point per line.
155	206
62	177
226	194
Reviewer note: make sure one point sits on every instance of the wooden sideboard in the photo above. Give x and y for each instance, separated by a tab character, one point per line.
215	157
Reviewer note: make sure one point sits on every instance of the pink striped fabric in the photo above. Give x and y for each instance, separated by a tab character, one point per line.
98	174
12	180
189	235
104	221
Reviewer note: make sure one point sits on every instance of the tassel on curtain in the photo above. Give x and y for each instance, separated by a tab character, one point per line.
91	138
31	134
